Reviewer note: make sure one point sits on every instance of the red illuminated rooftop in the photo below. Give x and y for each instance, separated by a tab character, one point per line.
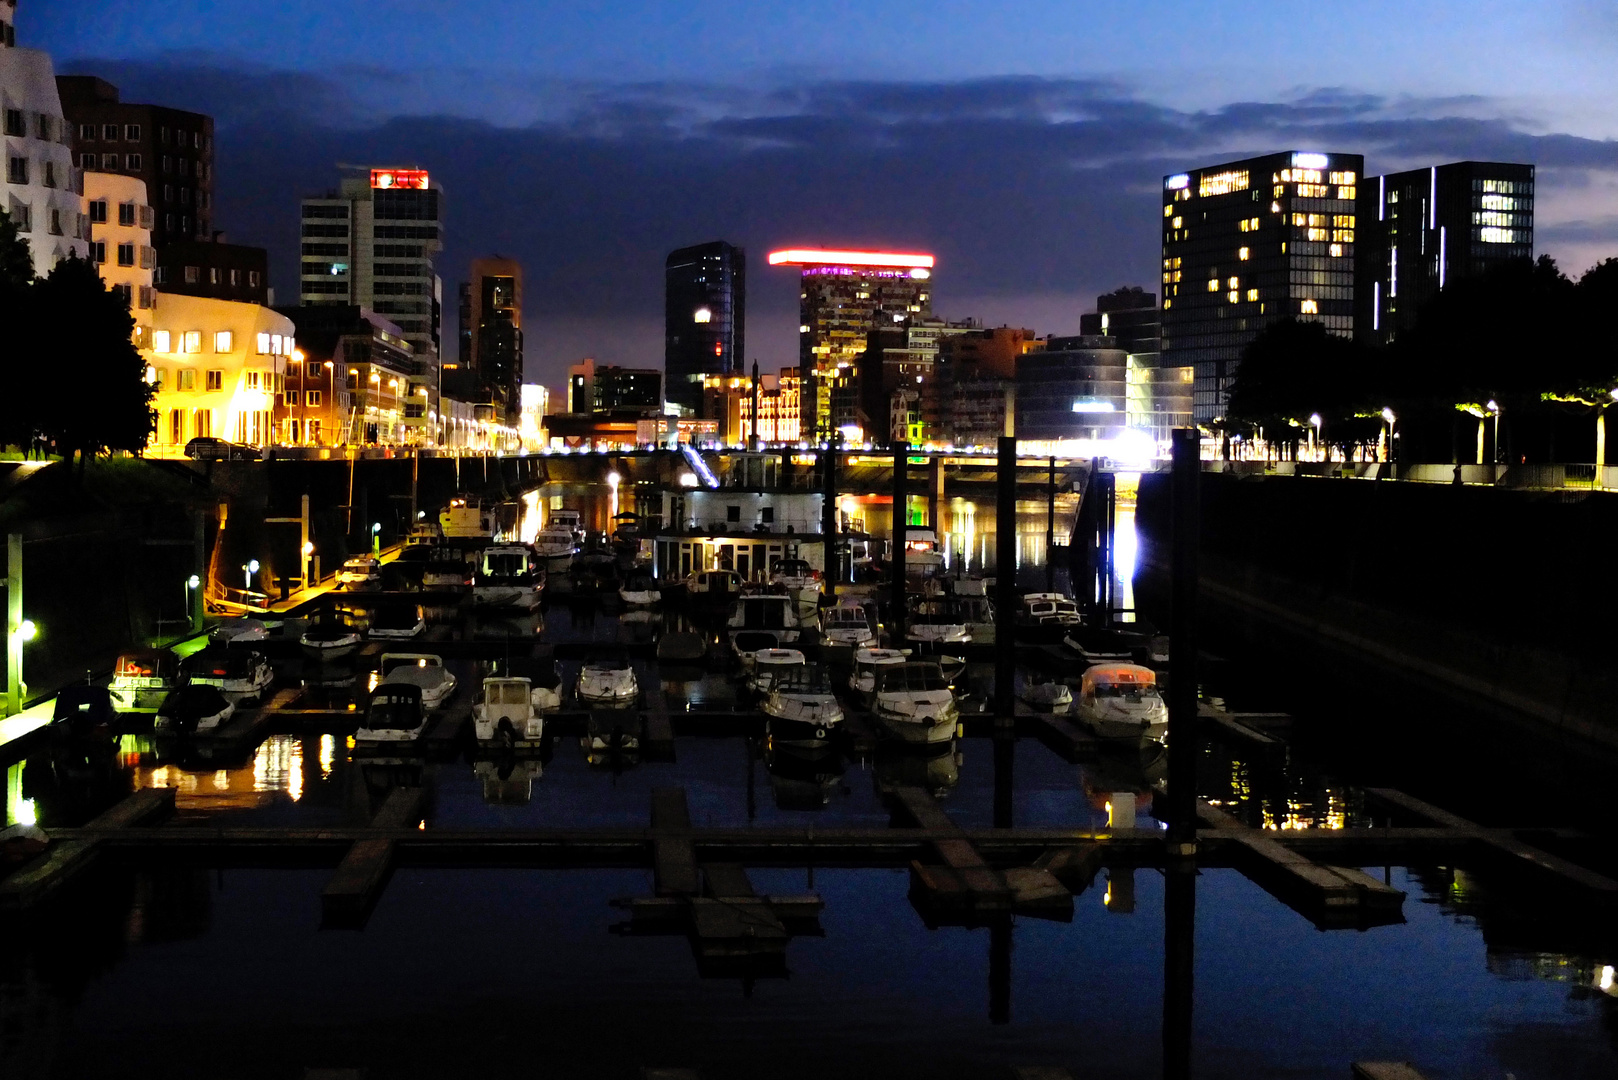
816	257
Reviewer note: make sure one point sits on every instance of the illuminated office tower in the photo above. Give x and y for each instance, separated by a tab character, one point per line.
1422	229
704	319
843	296
1246	244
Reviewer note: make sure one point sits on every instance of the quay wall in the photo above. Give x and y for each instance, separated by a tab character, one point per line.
1501	599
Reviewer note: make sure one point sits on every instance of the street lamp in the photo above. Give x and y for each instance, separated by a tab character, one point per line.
249	569
1314	431
1388	418
1494	407
192	583
613	480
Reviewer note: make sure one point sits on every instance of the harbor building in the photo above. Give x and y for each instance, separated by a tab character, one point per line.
1420	230
602	388
1129	314
121	242
843	296
219	368
704	319
1246	244
353	382
43	186
1074	388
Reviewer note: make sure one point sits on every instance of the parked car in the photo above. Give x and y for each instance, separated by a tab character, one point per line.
208	448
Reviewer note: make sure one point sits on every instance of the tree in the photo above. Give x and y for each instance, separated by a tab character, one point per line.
1294	369
16	373
105	403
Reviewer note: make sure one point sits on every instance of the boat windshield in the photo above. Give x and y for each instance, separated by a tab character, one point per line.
390	664
908	678
147	666
804	679
505	563
790	568
507	692
765	613
846	617
1125	691
394	708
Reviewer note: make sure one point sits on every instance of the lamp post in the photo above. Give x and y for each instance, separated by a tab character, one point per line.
1314	433
192	583
613	480
1390	419
249	569
1494	407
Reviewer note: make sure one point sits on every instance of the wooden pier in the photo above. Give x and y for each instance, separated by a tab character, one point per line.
66	859
352	891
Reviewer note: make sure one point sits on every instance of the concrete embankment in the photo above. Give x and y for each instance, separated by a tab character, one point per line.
1498	600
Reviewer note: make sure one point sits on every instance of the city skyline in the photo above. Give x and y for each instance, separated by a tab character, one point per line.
1035	185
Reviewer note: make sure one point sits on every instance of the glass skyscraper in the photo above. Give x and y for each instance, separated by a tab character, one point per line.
704	318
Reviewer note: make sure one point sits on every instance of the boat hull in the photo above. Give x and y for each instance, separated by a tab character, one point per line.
919	731
506	597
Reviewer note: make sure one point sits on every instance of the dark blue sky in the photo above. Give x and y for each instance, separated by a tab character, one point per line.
1021	142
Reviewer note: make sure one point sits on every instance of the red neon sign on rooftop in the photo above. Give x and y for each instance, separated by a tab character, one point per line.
814	257
399	178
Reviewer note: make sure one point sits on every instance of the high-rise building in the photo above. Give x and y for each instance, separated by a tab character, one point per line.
1074	388
491	332
843	296
893	372
371	244
214	268
171	150
1130	315
704	318
593	387
354	382
1248	243
42	186
1420	230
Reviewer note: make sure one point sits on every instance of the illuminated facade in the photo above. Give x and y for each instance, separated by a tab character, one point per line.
352	383
1246	244
1074	388
843	296
42	185
778	408
704	319
219	368
1422	229
121	241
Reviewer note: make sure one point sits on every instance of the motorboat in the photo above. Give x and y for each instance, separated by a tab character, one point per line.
1137	643
239	632
1048	609
866	664
611	733
914	702
1122	702
768	667
425	671
424	534
191	709
360	572
639	591
1046	697
241	675
607	682
504	714
976	613
83	710
398	622
570	520
446	573
714	587
763	621
467	518
142	678
932	625
848	624
328	638
507	578
801	709
921	552
556	545
394	713
796	577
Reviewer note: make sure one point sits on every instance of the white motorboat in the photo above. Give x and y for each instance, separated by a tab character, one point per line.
394	713
239	632
425	671
866	664
768	667
802	711
714	586
1121	701
360	572
555	546
930	626
424	534
191	709
915	703
142	678
848	625
608	682
1050	697
507	578
764	621
446	573
467	518
1048	609
921	552
504	714
797	577
398	622
329	639
570	520
241	675
639	591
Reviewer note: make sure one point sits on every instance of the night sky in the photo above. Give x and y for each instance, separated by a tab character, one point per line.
1020	142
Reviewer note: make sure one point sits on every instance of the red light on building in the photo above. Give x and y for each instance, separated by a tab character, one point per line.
399	178
813	257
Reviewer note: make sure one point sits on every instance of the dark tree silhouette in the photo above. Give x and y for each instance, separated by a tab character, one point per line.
17	372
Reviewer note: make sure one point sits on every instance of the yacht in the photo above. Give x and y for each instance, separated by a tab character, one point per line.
424	534
713	588
239	632
394	713
801	709
424	671
242	676
848	624
142	678
608	682
797	578
932	625
763	621
915	703
1137	642
398	622
639	591
921	552
769	665
329	638
504	714
467	518
1121	701
1046	617
1046	697
507	578
191	709
555	546
361	572
569	520
866	664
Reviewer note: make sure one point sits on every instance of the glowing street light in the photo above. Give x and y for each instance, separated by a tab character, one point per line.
27	630
249	569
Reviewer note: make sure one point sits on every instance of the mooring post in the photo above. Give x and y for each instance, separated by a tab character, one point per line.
1179	935
900	526
828	515
1050	528
1182	732
14	635
1005	585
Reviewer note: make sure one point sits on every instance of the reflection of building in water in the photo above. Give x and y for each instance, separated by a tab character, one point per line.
276	768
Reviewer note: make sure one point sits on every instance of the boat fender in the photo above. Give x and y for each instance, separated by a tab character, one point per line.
820	733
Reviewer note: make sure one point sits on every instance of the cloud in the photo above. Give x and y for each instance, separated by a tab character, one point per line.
1035	193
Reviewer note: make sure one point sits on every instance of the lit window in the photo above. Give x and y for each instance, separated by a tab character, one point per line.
193	341
1178	223
311	398
1213	285
1346	177
223	341
1336	251
275	344
216	379
1244	254
1233	283
1168	211
1222	183
702	315
1233	296
161	341
1252	294
264	344
1310	308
